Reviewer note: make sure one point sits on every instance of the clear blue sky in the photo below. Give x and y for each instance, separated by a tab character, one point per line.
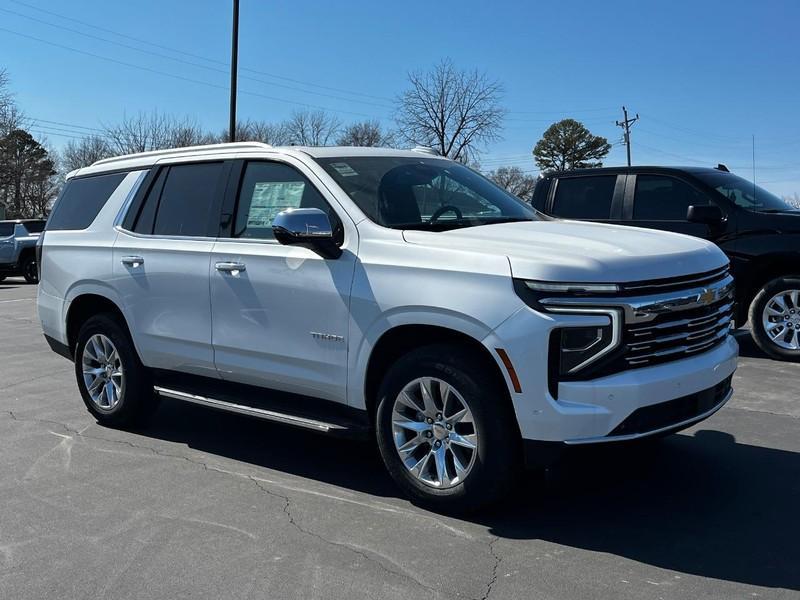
704	75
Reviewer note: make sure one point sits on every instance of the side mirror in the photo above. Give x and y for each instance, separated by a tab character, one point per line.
306	227
708	214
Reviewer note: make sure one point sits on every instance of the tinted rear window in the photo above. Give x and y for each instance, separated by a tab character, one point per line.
584	197
81	200
187	200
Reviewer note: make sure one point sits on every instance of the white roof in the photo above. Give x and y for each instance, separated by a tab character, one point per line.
143	160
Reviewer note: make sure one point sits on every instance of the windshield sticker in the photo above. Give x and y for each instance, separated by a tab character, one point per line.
344	169
270	198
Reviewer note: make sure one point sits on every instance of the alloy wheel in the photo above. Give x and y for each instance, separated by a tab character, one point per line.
102	372
781	319
434	432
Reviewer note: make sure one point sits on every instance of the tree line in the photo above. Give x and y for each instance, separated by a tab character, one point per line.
456	112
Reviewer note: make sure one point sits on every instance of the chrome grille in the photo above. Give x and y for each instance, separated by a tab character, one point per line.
678	333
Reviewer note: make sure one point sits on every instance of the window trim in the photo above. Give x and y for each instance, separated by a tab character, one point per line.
617	197
630	197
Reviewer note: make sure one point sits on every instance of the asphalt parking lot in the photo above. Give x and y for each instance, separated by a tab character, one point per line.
210	505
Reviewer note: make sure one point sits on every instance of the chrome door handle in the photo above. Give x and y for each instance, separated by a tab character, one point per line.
230	267
132	261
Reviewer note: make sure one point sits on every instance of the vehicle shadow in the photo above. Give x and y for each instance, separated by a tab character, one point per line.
747	347
699	504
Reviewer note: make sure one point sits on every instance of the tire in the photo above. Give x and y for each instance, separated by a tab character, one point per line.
777	300
493	465
29	270
135	399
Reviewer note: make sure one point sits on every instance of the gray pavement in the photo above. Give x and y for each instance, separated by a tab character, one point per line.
210	505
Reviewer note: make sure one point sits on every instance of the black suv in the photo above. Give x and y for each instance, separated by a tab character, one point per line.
758	231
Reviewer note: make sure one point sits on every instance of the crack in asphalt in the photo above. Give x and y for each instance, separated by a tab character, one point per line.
497	560
37	378
286	508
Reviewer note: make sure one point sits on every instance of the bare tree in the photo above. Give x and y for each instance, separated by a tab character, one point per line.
515	181
11	117
275	134
188	133
82	153
142	133
454	111
366	133
312	128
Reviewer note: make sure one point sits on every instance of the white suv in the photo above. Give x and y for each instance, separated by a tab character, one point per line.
385	293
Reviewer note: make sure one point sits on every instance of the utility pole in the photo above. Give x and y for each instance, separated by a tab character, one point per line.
234	70
626	128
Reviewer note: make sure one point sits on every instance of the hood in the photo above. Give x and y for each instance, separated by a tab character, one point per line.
582	252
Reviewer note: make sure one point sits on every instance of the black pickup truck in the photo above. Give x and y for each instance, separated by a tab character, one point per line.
758	231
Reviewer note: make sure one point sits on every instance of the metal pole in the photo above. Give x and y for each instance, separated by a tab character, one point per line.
234	70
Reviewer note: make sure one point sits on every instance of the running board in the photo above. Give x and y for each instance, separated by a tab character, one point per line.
259	413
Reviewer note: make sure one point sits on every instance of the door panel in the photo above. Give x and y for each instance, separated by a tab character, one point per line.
282	322
166	299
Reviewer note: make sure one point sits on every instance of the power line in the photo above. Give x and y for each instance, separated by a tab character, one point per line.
188	62
179	77
190	54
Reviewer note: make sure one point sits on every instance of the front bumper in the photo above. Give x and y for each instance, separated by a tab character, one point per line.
593	410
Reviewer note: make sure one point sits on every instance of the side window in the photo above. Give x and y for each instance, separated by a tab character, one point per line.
147	214
661	198
6	230
267	189
81	200
187	199
584	197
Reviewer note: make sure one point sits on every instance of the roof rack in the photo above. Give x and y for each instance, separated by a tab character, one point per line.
185	150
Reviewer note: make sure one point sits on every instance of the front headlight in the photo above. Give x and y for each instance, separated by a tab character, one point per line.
579	347
574	348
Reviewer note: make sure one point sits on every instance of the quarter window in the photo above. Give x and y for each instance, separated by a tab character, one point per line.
81	201
267	189
660	198
584	197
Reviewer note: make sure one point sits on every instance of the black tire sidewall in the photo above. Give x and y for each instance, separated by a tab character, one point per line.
27	264
499	453
755	315
138	399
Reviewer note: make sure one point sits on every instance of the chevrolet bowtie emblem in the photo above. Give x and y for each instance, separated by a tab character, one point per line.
706	296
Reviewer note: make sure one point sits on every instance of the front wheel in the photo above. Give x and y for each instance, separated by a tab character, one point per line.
29	270
446	431
775	318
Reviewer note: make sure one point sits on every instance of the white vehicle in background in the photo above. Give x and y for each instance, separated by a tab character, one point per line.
385	293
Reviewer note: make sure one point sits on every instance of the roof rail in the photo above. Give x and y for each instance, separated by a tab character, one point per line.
186	149
426	150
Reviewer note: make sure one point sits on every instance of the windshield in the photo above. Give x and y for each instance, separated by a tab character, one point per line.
424	193
744	193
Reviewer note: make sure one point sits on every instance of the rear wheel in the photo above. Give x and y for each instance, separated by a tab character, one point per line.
29	270
775	318
446	431
116	387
